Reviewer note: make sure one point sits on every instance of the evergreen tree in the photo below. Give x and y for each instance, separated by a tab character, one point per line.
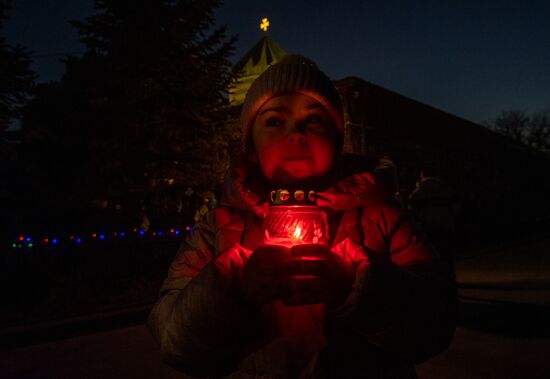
16	77
152	93
16	84
54	187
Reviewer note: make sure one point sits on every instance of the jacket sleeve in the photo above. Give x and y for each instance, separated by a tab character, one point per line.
404	298
202	326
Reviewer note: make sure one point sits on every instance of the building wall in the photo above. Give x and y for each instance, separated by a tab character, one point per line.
501	184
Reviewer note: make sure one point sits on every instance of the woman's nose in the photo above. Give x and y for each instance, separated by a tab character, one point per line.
296	137
296	133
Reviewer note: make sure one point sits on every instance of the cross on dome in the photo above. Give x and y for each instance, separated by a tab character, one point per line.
265	24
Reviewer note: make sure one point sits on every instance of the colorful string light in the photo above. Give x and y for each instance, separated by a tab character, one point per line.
26	242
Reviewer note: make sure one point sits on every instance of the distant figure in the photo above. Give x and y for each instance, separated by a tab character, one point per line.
209	202
432	204
386	168
145	222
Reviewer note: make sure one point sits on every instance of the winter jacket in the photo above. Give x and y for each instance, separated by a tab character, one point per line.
400	310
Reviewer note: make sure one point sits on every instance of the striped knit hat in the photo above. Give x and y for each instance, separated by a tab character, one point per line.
293	73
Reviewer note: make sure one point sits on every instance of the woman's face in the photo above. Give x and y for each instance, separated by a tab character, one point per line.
294	139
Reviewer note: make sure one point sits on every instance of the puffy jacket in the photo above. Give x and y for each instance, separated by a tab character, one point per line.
400	311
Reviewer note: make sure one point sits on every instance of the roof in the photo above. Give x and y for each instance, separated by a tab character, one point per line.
265	53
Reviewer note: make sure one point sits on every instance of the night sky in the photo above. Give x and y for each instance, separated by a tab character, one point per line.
472	59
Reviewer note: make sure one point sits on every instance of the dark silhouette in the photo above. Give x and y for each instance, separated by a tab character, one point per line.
16	84
529	129
434	207
16	78
139	117
153	77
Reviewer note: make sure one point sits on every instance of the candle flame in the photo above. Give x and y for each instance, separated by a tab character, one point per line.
298	232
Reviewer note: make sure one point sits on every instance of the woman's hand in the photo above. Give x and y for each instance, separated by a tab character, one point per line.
314	274
262	276
303	274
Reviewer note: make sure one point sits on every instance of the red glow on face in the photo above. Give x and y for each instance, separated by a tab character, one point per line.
294	139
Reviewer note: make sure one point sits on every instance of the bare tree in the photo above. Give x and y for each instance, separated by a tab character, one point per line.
512	123
529	129
539	131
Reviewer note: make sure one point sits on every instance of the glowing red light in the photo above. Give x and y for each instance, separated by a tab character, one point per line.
71	238
134	230
187	228
294	225
21	238
171	230
46	240
94	235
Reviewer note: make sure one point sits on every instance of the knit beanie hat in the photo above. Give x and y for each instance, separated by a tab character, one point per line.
293	73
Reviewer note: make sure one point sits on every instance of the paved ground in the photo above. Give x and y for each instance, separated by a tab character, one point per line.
505	316
122	353
477	354
131	353
504	331
519	273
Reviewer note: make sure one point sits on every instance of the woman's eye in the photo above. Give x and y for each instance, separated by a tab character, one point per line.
314	119
273	121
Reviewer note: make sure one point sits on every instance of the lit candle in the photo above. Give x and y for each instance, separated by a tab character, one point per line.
294	219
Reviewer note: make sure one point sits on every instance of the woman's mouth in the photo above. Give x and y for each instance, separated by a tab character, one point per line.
297	158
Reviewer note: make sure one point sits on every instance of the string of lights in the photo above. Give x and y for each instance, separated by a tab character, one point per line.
28	242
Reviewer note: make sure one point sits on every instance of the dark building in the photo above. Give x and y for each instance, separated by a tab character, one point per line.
501	185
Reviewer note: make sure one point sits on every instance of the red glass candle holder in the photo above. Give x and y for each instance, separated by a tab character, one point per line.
291	223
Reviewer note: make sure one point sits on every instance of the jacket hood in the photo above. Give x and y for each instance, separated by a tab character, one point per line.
357	181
